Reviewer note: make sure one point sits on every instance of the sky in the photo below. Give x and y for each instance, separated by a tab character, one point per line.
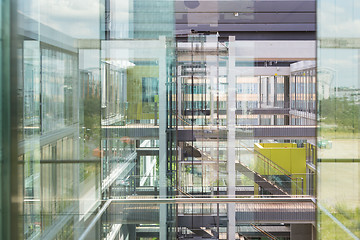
338	20
78	19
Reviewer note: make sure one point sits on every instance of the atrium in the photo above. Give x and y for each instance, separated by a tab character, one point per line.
180	119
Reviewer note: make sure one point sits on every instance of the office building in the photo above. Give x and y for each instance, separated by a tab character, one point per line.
179	119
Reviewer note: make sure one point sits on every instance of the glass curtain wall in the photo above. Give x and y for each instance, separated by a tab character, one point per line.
164	119
338	109
232	121
59	141
137	61
93	84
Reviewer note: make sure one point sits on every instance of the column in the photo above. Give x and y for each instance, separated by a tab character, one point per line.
231	145
162	136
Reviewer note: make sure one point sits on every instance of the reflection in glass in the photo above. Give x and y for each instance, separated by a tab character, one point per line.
170	119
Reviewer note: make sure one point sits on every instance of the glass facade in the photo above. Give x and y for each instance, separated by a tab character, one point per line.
178	119
338	111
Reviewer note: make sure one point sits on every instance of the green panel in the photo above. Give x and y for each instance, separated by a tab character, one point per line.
283	159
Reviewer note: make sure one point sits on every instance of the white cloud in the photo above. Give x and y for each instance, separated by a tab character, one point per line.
338	20
79	19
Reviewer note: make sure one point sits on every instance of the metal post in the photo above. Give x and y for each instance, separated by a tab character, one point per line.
162	137
231	120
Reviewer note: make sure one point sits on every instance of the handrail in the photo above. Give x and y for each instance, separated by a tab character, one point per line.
185	193
267	180
277	167
184	120
220	199
95	220
274	165
264	232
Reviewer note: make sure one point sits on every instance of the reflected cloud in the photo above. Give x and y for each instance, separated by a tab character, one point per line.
343	25
78	19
